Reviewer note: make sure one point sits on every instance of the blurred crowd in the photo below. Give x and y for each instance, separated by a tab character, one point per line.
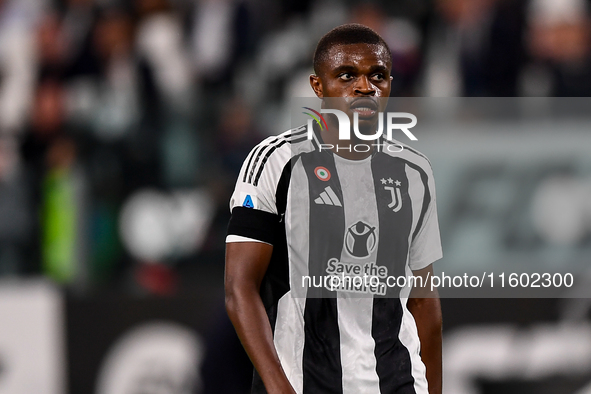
103	99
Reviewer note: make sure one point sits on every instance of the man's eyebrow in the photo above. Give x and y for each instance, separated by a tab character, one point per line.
344	68
378	67
351	69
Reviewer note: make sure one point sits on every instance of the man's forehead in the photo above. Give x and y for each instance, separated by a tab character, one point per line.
357	55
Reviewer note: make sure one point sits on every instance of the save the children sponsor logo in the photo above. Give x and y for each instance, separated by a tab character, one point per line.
360	240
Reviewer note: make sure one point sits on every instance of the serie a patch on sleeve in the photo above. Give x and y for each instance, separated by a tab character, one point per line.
248	200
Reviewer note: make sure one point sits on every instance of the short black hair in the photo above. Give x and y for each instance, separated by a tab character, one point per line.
350	33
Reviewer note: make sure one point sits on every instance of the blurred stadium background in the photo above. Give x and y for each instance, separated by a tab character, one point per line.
123	124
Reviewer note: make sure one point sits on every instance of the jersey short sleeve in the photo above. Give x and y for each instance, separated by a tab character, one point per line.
426	245
253	204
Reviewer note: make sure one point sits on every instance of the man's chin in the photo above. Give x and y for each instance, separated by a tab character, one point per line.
368	126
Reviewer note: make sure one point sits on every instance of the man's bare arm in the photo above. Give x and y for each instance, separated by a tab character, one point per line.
426	309
246	264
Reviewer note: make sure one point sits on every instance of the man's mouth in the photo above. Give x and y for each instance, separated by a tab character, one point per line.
366	108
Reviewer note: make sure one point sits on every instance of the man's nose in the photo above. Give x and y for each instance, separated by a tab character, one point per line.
364	87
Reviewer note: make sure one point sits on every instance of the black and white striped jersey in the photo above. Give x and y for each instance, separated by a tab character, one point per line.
320	211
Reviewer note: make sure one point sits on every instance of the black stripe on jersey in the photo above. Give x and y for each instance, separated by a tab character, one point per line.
249	172
393	362
322	370
394	227
276	280
283	187
275	283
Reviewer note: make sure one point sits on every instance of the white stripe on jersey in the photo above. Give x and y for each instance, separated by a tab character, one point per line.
355	314
289	334
289	337
297	230
409	337
357	345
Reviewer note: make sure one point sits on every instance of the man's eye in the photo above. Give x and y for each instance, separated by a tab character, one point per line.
346	76
378	77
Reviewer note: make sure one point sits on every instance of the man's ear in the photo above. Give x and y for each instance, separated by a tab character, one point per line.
316	85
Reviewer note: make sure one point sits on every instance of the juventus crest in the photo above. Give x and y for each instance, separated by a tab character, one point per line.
394	190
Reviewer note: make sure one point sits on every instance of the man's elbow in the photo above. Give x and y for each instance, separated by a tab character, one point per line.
237	294
231	297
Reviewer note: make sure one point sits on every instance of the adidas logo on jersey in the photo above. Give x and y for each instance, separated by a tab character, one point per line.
328	197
